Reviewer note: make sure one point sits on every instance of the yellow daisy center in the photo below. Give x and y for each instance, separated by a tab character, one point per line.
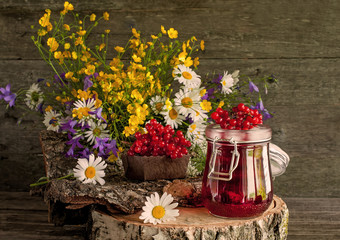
187	75
173	114
159	106
158	212
96	132
90	172
224	83
187	102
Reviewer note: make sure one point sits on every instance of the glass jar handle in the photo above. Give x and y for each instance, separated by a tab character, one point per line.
279	160
233	164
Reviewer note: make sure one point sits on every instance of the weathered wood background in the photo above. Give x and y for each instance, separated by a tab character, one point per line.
298	41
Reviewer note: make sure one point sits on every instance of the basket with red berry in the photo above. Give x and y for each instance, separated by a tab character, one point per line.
161	153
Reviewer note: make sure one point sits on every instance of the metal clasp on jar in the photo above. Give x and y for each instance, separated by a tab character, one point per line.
233	164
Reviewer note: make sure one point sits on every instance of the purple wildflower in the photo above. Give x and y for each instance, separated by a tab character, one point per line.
74	142
60	80
7	95
111	147
68	126
40	80
98	113
205	97
259	106
40	108
101	145
253	87
87	82
85	153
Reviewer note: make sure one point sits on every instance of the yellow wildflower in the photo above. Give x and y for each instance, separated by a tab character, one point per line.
203	92
101	46
74	79
81	32
196	62
206	105
136	59
66	27
168	104
163	30
58	55
93	17
79	40
220	104
53	44
202	45
69	75
67	7
119	49
182	56
172	33
106	16
67	46
158	62
42	32
58	98
154	37
90	70
107	31
83	95
136	94
188	62
49	108
74	92
74	55
135	33
49	27
45	20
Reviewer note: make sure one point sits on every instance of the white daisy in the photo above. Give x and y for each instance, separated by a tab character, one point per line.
90	171
34	96
82	110
96	130
187	76
158	210
172	117
195	133
187	102
199	115
228	81
157	103
52	121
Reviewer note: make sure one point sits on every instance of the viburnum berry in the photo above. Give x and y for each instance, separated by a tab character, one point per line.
158	141
240	117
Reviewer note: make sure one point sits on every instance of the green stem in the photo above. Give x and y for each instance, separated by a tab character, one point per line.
44	182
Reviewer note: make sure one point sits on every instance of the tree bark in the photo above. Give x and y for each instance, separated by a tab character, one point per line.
193	224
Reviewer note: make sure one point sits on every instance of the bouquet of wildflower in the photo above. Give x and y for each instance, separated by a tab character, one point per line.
100	102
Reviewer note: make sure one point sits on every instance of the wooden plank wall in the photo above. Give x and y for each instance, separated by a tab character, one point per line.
298	41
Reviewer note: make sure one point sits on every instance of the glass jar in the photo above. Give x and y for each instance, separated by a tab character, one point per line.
237	180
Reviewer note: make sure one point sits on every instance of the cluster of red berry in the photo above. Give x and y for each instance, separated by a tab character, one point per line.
240	118
159	141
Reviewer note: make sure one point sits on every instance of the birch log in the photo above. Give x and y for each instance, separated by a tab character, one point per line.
193	224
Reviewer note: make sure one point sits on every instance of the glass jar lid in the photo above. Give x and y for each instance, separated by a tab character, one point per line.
279	160
260	133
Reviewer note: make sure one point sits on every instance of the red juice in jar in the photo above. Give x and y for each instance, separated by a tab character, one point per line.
237	180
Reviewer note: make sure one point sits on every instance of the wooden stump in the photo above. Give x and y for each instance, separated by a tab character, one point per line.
193	224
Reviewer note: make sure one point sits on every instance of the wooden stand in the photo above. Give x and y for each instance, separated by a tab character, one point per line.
193	224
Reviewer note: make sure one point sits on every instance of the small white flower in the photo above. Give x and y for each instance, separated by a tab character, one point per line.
187	76
52	121
172	117
83	110
195	133
228	81
34	96
158	210
157	103
187	101
90	171
96	130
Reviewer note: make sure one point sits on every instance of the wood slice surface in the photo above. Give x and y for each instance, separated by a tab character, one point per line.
193	224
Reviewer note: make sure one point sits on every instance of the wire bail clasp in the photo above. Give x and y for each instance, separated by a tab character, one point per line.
233	164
